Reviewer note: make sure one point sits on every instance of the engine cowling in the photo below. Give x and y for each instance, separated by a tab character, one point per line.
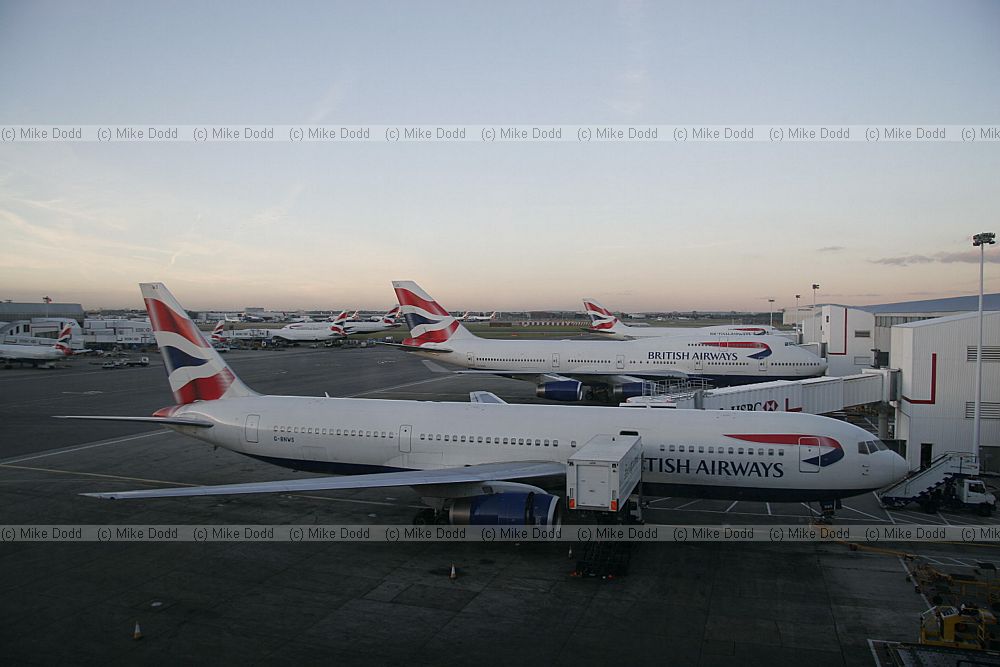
626	390
506	509
561	390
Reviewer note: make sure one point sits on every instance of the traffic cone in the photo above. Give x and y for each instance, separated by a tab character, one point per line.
454	573
137	633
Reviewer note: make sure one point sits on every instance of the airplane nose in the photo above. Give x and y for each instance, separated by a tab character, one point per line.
900	467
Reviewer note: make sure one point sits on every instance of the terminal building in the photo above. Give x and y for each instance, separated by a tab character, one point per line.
933	345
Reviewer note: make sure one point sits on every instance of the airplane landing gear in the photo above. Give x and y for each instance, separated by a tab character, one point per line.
828	510
431	517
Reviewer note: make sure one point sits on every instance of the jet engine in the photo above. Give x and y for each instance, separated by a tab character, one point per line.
625	390
561	390
506	509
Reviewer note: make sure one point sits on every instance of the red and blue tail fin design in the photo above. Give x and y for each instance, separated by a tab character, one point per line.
601	319
390	317
219	332
195	370
429	323
62	343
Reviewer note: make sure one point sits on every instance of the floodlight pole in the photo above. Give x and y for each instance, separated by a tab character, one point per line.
770	315
981	240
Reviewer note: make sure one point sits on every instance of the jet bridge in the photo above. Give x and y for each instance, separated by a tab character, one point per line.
812	395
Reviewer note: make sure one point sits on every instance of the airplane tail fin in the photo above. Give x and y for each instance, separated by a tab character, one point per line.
219	332
428	321
390	317
601	319
62	343
195	370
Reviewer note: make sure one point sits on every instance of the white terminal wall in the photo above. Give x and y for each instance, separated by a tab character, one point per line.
938	385
847	336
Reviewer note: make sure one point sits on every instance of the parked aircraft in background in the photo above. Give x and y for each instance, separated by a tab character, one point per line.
40	353
474	462
603	321
616	370
312	332
477	318
384	323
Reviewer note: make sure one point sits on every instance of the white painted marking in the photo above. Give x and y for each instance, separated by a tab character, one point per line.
399	386
913	580
77	448
848	507
946	522
686	504
732	506
871	647
811	510
768	505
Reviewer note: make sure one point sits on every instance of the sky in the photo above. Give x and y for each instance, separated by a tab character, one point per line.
706	226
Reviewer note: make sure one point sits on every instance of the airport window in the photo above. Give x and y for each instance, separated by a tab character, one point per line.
730	450
505	441
863	448
862	334
672	447
750	451
546	442
454	438
770	452
446	438
463	438
438	437
555	443
572	443
368	434
739	451
760	452
538	443
781	452
489	440
520	441
295	429
711	450
421	436
275	428
479	439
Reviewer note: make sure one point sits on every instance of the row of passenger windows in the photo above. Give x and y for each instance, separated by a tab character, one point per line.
760	451
517	359
492	440
589	361
794	363
317	430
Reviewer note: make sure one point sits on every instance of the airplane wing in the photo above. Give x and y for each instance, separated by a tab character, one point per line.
414	348
165	421
485	397
485	472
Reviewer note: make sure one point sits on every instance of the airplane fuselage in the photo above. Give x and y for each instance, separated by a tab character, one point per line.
723	361
772	456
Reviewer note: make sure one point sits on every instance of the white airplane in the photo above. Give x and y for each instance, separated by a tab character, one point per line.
616	369
469	461
387	321
40	353
392	314
477	318
603	321
312	332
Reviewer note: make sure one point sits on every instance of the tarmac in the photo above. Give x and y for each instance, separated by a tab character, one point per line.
698	604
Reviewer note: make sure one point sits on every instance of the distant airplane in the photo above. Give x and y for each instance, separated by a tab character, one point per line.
476	463
312	332
477	318
40	353
603	321
384	323
616	370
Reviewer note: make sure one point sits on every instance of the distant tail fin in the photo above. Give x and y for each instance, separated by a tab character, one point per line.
195	370
601	319
219	332
390	317
428	321
62	343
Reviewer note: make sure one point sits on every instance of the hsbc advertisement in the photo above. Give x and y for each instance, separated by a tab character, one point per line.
780	396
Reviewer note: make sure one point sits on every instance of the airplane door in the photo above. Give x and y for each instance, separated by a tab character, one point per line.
250	430
809	454
620	361
697	364
404	437
762	365
472	359
555	360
